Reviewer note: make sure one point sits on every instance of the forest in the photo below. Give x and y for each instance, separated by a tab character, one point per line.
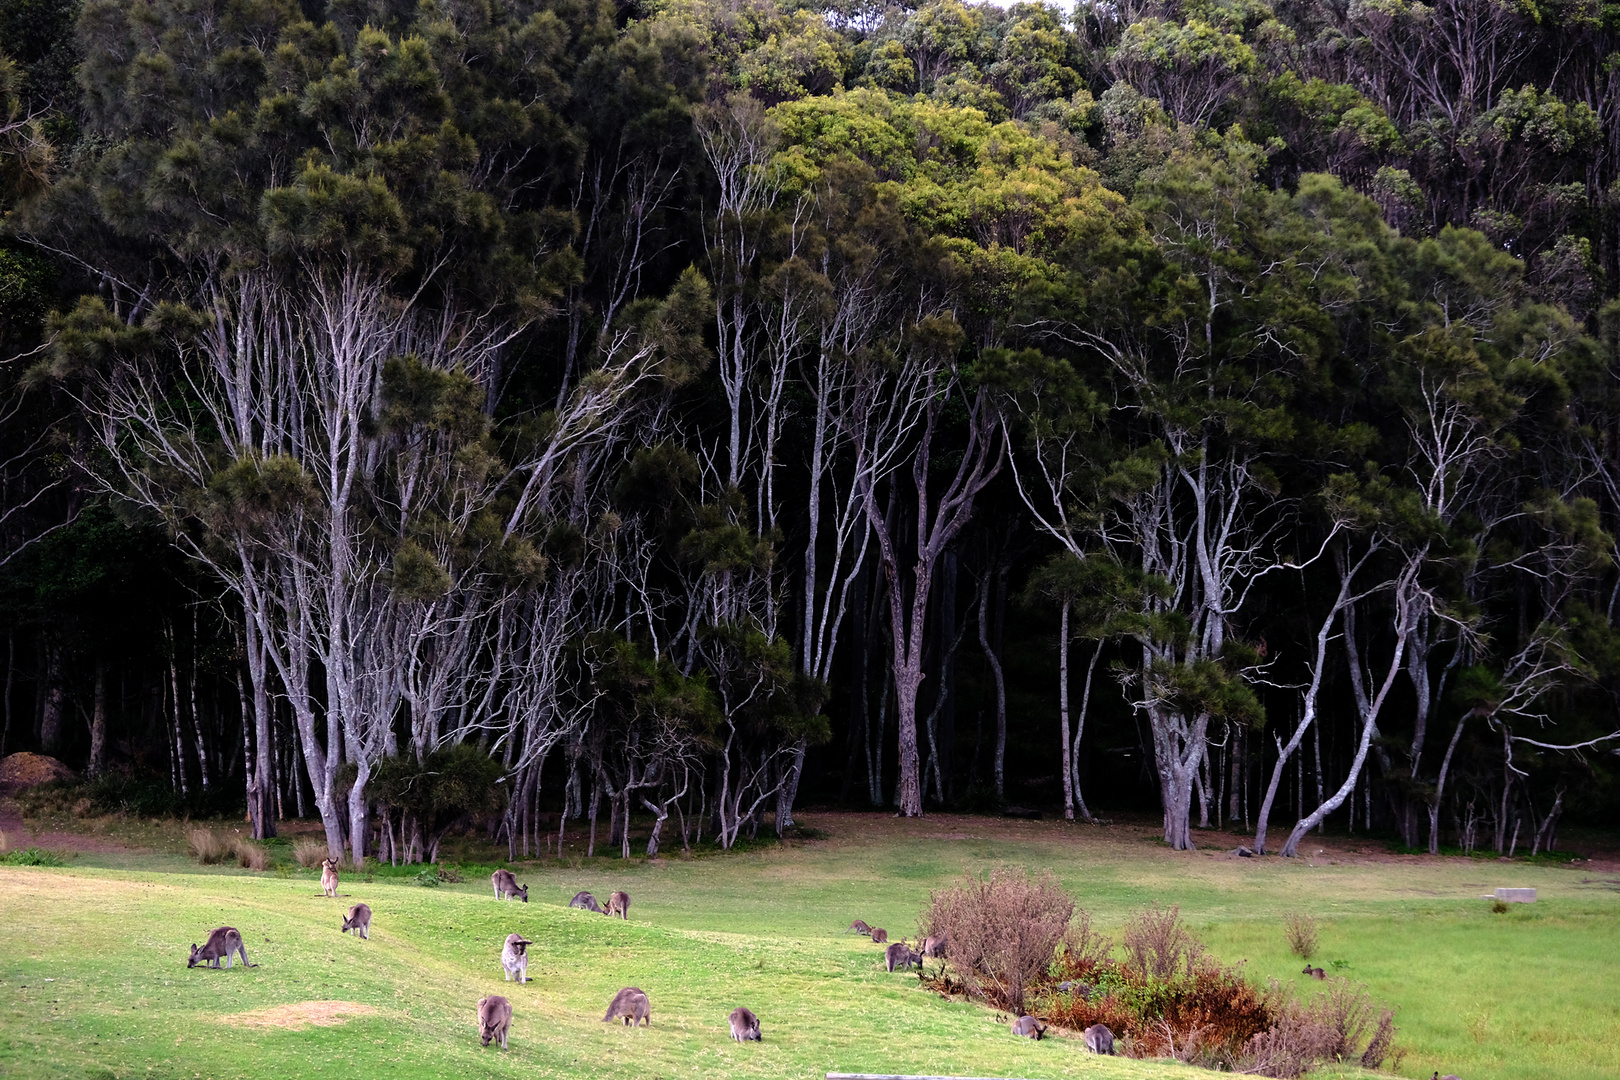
696	409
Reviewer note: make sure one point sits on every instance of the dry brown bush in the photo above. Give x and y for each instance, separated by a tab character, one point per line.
1301	931
1158	945
1340	1025
251	855
1084	948
1004	930
309	853
207	846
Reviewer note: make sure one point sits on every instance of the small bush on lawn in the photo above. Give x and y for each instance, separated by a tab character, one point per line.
1167	998
207	846
309	853
32	857
1300	930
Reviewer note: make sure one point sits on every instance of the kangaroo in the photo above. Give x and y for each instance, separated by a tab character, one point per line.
494	1019
900	955
631	1004
329	878
744	1025
359	920
222	942
506	886
934	945
619	904
585	902
1314	972
1099	1040
1028	1027
515	958
880	935
860	927
1448	1076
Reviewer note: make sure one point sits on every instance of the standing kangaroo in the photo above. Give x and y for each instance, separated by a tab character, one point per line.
900	955
329	878
880	935
359	920
1099	1040
631	1004
506	886
1028	1027
744	1025
585	902
222	942
934	946
619	904
515	958
494	1019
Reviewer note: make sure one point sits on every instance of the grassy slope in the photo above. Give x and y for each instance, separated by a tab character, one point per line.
1532	993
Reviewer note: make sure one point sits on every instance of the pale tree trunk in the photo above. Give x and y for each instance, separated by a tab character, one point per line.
1063	712
98	722
993	658
1079	732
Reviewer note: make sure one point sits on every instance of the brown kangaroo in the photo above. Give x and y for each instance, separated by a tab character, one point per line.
494	1019
359	920
1028	1027
860	927
1099	1040
506	886
221	943
880	935
1314	972
329	878
744	1025
619	904
631	1004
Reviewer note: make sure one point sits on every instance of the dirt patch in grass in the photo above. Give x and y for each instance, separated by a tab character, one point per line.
300	1014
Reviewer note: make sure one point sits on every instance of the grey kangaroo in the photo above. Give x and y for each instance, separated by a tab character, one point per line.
585	902
506	886
900	955
1028	1027
619	904
329	878
934	946
744	1025
631	1004
222	942
359	920
494	1019
1099	1040
515	958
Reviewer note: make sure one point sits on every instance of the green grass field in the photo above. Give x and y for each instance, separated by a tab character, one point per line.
93	980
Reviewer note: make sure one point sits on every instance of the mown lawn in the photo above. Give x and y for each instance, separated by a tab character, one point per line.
1532	993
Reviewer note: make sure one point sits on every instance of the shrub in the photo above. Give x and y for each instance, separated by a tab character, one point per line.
309	853
428	878
1159	946
1300	930
1499	906
207	846
450	875
1004	930
32	857
139	794
251	855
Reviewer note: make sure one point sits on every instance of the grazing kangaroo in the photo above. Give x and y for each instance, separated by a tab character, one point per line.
744	1025
880	935
1448	1076
631	1004
860	927
329	878
494	1019
222	942
506	886
1028	1027
359	920
585	902
619	904
900	955
1099	1040
1314	972
515	958
934	946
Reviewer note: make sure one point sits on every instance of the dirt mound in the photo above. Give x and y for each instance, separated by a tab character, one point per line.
22	771
300	1014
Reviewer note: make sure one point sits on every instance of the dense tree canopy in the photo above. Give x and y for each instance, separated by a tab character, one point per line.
701	408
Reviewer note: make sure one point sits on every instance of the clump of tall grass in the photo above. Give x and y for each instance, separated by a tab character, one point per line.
1300	930
309	853
251	855
207	846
